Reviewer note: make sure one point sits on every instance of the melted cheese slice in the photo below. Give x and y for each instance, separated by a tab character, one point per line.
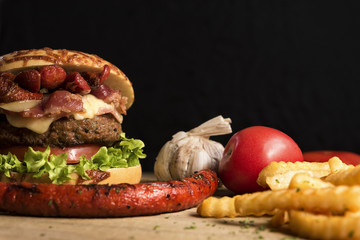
38	125
19	106
92	106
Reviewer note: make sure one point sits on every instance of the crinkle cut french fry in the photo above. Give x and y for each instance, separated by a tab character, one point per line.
304	181
280	218
224	207
336	164
217	207
314	226
335	200
349	177
352	214
277	175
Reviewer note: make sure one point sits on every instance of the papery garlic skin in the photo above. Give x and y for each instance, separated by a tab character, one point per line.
191	151
162	163
161	167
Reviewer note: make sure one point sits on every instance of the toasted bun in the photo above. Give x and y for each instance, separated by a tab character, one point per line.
131	175
71	61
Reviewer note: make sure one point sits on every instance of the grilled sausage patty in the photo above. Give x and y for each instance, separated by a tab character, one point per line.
117	200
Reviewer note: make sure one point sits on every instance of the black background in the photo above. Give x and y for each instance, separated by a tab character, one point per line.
291	65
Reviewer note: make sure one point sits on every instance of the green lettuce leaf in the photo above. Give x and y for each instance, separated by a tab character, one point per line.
58	170
125	153
10	163
83	166
36	160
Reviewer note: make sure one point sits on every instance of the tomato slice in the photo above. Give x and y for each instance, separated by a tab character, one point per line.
325	155
74	152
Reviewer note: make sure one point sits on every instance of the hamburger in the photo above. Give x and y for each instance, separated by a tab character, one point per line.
61	114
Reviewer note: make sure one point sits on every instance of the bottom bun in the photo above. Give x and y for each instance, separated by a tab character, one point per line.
131	175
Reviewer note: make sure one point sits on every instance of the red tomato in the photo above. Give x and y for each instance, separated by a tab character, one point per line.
74	153
249	151
324	156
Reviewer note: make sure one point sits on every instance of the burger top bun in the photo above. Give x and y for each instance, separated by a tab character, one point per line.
71	61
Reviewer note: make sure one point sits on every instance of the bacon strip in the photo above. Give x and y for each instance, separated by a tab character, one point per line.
114	112
11	91
63	101
111	96
58	104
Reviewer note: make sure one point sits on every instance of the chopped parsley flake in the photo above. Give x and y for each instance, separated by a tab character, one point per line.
261	227
246	223
190	227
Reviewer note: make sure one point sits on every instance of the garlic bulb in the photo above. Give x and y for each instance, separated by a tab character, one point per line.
188	152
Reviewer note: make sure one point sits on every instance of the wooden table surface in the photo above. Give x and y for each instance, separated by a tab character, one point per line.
184	225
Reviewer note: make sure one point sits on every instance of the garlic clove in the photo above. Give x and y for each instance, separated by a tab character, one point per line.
214	149
179	163
161	167
208	156
205	162
163	164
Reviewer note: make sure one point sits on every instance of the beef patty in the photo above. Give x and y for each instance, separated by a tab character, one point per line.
102	130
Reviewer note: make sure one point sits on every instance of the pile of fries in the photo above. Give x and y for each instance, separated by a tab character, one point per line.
315	200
